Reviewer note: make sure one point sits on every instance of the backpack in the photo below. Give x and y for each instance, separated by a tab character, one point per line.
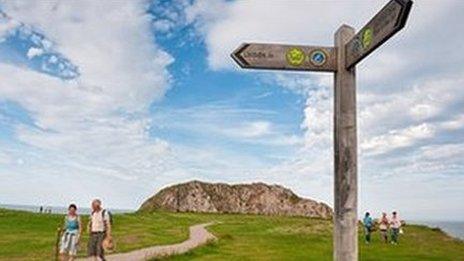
110	216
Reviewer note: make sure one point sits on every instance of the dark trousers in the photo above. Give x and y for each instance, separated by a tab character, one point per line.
394	234
367	233
95	247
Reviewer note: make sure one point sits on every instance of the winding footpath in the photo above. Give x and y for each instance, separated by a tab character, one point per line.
198	236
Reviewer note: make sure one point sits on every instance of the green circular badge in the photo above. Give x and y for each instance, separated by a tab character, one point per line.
367	37
295	56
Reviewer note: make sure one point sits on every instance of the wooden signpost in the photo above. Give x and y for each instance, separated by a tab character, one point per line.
379	29
286	57
349	49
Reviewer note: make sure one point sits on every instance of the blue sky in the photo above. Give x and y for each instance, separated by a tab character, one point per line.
116	100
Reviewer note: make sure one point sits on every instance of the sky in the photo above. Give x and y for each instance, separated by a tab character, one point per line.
117	99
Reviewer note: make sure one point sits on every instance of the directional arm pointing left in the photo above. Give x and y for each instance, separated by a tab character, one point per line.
285	57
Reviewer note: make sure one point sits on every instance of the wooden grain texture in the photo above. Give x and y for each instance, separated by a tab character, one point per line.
388	21
274	57
345	154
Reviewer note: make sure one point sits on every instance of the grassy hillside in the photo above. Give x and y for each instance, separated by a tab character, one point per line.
31	236
27	236
272	238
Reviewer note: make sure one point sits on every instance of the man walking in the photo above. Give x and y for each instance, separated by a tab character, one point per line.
368	226
395	225
99	229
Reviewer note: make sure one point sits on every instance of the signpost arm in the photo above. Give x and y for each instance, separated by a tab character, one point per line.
345	154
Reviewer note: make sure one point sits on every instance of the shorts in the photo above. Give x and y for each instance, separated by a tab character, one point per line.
95	247
69	244
383	232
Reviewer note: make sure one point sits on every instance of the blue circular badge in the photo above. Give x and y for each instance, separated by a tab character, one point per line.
318	57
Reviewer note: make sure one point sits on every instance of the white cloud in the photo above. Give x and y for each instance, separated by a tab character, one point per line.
423	111
80	125
442	151
6	26
32	52
225	121
397	139
262	132
455	123
255	129
416	196
5	158
95	125
110	42
163	25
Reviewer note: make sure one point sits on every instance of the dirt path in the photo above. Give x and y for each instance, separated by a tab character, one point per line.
198	236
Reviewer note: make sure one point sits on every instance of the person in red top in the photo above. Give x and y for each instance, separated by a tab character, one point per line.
383	227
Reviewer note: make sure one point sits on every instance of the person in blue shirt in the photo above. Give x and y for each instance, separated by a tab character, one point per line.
368	227
72	231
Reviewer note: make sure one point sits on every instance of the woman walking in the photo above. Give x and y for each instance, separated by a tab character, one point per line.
383	227
72	231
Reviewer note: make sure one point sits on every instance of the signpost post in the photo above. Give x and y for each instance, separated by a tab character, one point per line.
349	49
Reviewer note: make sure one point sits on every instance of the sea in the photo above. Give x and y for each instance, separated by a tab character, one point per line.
452	228
58	210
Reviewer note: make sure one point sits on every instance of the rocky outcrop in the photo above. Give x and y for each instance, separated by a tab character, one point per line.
256	198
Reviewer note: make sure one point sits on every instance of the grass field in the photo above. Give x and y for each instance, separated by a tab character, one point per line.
28	236
270	238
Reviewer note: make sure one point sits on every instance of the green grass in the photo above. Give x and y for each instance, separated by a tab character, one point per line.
31	236
285	238
28	236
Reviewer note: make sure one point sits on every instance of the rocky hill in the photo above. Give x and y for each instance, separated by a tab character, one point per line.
256	198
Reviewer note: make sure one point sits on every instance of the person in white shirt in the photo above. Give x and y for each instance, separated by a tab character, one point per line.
395	225
99	229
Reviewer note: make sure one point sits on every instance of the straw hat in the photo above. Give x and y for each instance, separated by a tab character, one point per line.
108	244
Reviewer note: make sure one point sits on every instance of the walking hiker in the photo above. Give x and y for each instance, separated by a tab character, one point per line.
383	226
72	231
368	226
99	229
395	225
